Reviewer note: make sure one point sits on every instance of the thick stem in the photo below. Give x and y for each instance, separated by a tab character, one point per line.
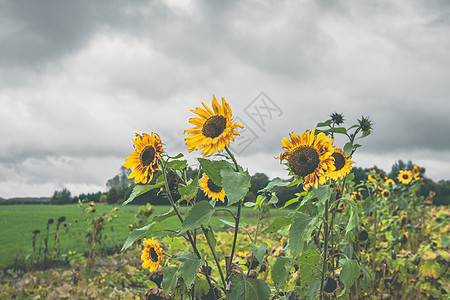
325	249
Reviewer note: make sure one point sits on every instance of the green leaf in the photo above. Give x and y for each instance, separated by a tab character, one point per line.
366	277
199	214
244	288
313	289
212	168
337	130
231	224
350	272
177	164
348	148
211	237
350	177
249	204
201	288
296	232
278	223
346	249
280	270
324	124
189	191
169	214
323	193
141	189
235	184
170	278
140	233
306	261
259	251
190	266
275	182
354	219
292	201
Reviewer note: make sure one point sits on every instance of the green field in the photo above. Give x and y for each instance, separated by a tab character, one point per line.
17	222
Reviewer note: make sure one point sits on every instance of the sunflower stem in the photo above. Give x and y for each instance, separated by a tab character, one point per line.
194	246
215	257
325	249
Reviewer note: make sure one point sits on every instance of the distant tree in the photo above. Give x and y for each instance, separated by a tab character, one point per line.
119	187
61	197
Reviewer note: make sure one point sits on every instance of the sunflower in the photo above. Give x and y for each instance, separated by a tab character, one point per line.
405	177
331	286
389	181
385	194
418	176
416	169
151	254
371	178
145	159
357	196
213	130
363	236
342	163
212	190
309	156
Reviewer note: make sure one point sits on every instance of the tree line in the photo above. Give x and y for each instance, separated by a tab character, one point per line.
120	187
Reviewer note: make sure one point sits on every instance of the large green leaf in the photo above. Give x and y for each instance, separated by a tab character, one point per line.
190	266
141	189
278	223
348	148
235	184
140	233
322	192
212	168
259	251
244	288
296	232
177	164
170	278
275	182
306	261
199	214
354	219
189	191
324	124
280	271
350	272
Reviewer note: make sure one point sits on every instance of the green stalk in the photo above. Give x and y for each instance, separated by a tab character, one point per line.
215	257
169	195
325	249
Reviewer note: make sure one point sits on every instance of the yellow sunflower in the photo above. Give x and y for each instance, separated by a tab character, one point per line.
389	181
151	254
145	159
418	176
385	194
371	178
342	164
309	156
405	177
213	130
357	196
212	190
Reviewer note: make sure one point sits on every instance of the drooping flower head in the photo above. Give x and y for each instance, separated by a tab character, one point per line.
309	156
144	160
151	254
213	129
211	190
343	164
385	194
331	286
405	177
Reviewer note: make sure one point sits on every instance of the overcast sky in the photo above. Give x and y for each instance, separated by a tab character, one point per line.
79	78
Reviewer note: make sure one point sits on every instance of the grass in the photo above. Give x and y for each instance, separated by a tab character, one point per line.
17	222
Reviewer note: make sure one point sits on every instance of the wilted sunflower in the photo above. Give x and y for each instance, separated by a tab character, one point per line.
405	177
151	254
145	159
331	286
342	164
212	190
309	156
363	236
385	194
213	130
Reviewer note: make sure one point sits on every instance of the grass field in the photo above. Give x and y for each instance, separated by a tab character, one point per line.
17	222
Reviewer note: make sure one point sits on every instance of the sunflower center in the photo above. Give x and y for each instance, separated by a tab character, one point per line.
213	187
214	126
339	160
363	236
304	161
153	255
331	285
386	194
147	156
405	176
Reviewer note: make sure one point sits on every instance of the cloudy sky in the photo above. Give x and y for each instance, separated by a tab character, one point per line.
79	78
